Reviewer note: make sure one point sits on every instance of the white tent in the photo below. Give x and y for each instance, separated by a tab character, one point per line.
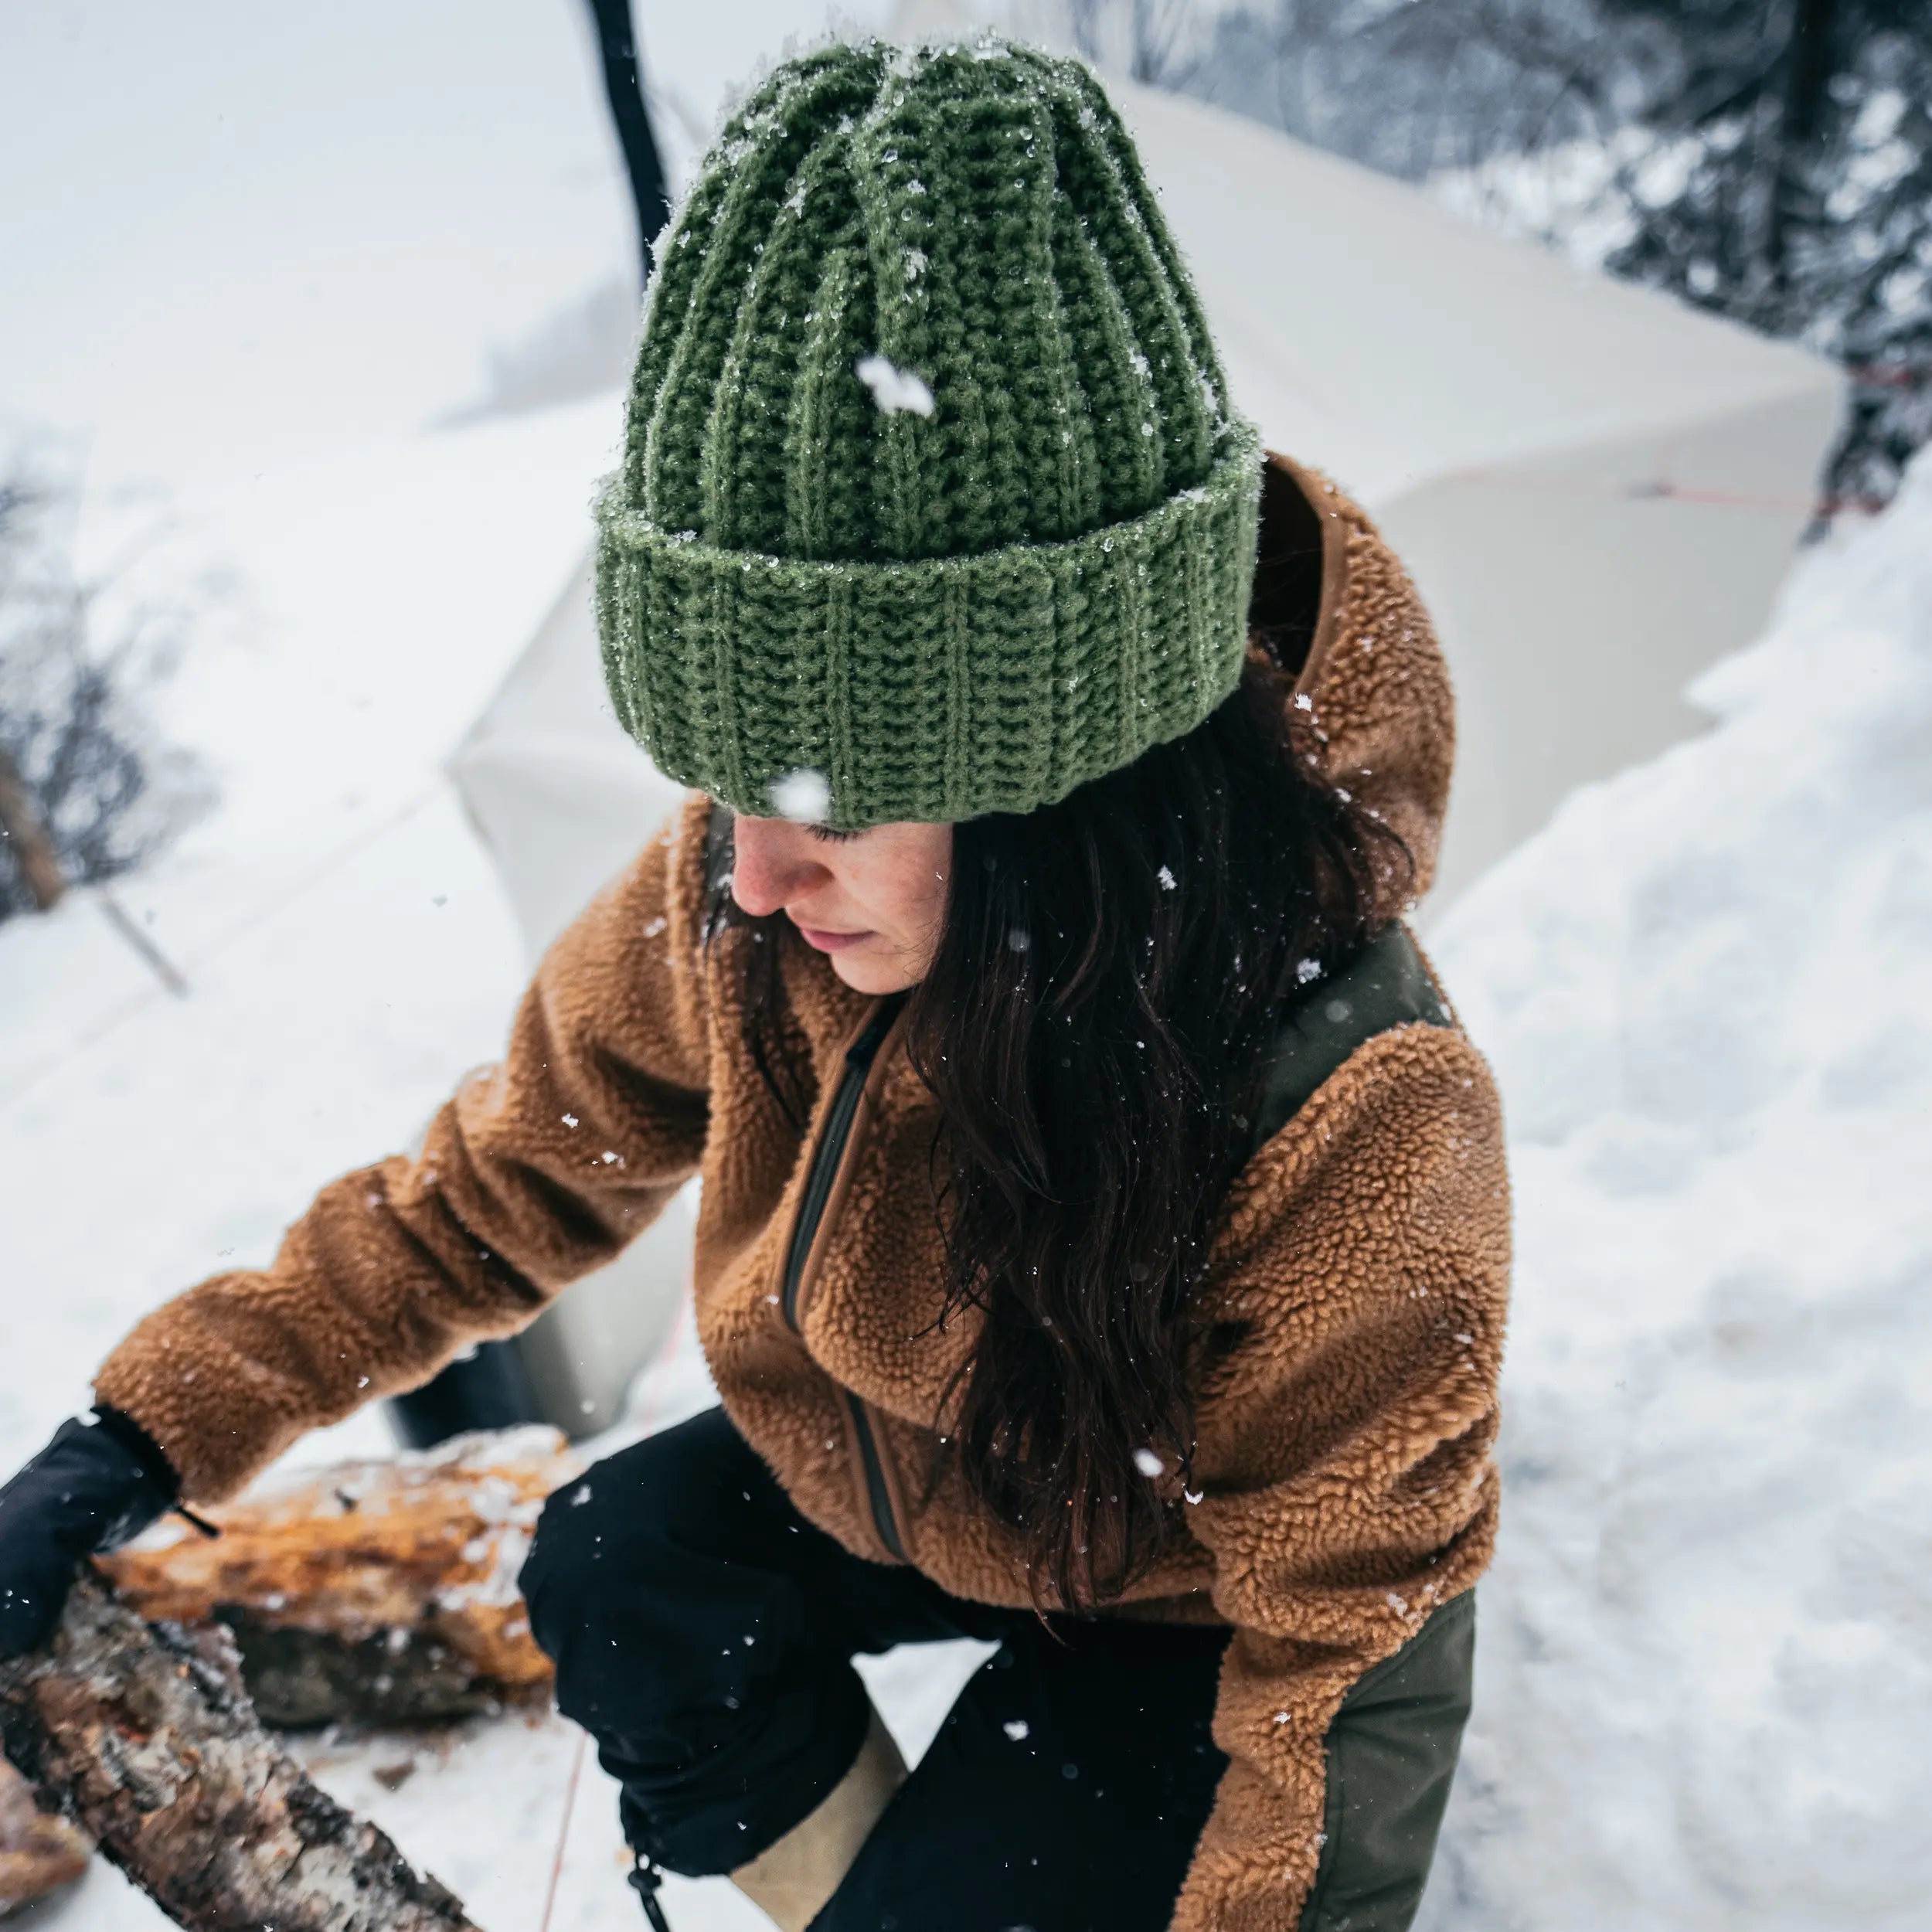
1597	488
562	797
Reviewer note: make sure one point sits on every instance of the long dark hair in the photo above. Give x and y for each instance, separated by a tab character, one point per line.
1095	1024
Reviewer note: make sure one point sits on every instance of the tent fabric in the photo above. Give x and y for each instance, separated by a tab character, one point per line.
1597	488
563	798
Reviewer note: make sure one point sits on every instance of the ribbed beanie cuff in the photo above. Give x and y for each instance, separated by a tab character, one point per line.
940	689
932	491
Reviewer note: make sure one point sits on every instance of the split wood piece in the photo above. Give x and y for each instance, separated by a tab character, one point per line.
40	1852
378	1592
144	1737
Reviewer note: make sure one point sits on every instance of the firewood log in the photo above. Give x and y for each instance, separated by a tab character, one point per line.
144	1738
40	1852
383	1592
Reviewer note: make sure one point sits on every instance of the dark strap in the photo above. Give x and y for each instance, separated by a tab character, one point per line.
1385	985
644	1880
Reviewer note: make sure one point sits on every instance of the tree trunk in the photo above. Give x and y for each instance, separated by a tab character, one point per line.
144	1738
1804	92
21	828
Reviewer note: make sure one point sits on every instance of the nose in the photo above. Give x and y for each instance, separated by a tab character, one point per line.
772	865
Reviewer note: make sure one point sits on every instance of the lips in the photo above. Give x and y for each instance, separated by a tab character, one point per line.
828	942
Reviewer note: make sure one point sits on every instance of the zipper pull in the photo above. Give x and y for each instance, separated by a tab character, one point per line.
644	1880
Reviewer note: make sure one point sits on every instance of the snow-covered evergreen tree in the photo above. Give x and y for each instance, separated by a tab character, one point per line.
1770	160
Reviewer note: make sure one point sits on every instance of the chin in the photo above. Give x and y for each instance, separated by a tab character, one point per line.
876	977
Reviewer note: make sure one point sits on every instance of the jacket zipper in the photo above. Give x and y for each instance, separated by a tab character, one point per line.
877	1495
829	1154
827	1158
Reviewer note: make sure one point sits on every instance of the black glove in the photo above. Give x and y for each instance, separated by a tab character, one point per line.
96	1486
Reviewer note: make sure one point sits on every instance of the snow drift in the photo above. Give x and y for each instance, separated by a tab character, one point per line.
1704	1679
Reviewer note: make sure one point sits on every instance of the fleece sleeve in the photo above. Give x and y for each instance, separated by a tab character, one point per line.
539	1170
1344	1484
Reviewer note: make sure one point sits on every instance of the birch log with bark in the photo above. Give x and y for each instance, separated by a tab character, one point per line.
144	1736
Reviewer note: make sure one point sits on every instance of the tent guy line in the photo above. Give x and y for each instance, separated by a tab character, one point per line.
1638	492
563	1829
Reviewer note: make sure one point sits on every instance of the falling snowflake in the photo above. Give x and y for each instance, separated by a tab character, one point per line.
804	796
895	391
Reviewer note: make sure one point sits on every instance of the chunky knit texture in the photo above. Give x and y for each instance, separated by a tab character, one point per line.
1034	566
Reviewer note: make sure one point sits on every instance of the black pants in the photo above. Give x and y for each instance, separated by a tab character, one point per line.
703	1632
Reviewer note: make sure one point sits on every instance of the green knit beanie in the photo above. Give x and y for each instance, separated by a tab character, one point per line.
932	503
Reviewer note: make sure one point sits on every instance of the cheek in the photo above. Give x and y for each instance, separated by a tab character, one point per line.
908	894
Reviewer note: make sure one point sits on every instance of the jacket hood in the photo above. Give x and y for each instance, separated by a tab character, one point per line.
1333	599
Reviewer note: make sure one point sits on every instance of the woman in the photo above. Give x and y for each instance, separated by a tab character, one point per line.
1103	1246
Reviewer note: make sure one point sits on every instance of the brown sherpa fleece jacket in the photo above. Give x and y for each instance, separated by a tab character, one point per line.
1354	1306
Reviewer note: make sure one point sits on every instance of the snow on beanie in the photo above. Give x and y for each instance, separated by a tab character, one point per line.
932	502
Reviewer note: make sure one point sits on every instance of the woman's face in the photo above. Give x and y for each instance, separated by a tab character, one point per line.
872	901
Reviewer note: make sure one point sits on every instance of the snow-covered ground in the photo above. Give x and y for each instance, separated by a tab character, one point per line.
347	951
1705	1674
1704	1679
